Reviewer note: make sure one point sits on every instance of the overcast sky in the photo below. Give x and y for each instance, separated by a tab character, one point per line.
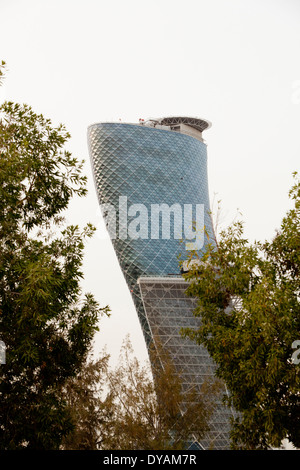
234	62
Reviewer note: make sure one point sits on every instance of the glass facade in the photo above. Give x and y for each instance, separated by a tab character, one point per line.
169	309
136	165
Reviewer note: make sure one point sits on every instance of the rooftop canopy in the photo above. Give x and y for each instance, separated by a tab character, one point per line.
199	124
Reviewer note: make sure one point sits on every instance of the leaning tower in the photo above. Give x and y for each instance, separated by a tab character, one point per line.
154	173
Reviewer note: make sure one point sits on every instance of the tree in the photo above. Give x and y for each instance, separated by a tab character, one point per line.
248	300
90	408
152	412
46	323
127	408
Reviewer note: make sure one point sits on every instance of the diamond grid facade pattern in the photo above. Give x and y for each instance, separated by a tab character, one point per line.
155	166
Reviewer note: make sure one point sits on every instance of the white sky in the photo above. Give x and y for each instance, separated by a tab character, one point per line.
234	62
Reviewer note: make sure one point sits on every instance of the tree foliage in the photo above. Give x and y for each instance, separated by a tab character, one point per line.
151	410
46	323
248	300
125	407
90	406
